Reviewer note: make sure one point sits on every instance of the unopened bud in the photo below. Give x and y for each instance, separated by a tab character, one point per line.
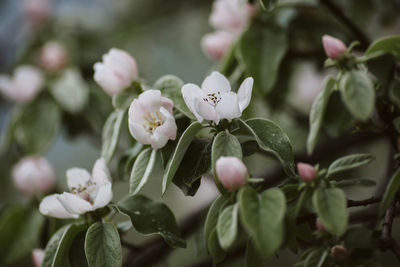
334	48
53	56
232	172
37	257
215	45
339	253
306	171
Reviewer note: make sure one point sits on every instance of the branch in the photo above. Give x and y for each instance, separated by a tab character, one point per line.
387	241
365	202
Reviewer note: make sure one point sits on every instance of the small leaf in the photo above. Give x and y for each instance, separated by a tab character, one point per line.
358	94
227	226
180	150
271	138
318	111
390	44
268	4
123	99
262	215
111	132
171	86
142	169
151	217
390	192
103	245
349	162
330	204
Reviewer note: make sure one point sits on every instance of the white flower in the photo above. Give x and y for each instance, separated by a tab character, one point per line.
215	100
53	56
88	193
151	120
116	72
33	175
215	45
23	86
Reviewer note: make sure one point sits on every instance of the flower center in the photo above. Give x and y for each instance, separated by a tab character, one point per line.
86	191
213	98
153	120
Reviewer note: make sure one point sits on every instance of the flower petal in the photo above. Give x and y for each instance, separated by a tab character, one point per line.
77	177
168	128
74	204
50	206
244	93
191	91
206	110
104	196
214	83
139	133
228	107
107	80
100	173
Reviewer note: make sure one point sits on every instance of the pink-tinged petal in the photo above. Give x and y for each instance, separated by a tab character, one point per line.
206	110
228	107
37	257
168	104
74	204
334	48
139	133
107	80
215	45
137	112
190	92
103	197
50	206
122	64
306	171
100	173
168	128
150	100
231	15
77	177
244	93
27	83
214	83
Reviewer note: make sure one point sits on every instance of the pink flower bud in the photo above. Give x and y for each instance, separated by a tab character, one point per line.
339	253
37	257
37	11
215	45
33	174
116	72
334	48
306	171
320	227
231	172
53	56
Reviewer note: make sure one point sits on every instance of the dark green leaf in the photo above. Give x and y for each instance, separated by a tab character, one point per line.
349	162
77	255
126	162
394	93
111	132
216	252
330	204
358	237
390	44
143	168
151	217
390	192
103	245
253	257
227	226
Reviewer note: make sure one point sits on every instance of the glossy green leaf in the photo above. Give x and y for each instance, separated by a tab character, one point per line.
111	133
262	48
271	138
390	44
330	204
143	168
358	94
151	217
262	215
180	150
349	162
103	245
318	111
123	99
390	192
227	226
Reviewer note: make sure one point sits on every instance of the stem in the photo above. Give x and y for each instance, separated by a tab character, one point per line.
386	239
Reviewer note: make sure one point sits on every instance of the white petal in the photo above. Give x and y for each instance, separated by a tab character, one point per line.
228	107
104	196
168	128
244	93
74	204
50	206
191	91
139	133
77	177
100	173
214	83
137	112
206	110
107	79
150	100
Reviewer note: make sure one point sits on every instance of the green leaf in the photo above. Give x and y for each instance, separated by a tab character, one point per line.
390	192
227	226
262	48
103	245
57	249
358	237
358	94
253	257
212	216
123	99
262	216
37	126
151	217
271	138
71	91
318	111
353	182
77	255
268	4
330	204
224	145
394	94
216	252
390	44
126	162
316	258
143	168
349	162
111	132
171	86
180	150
